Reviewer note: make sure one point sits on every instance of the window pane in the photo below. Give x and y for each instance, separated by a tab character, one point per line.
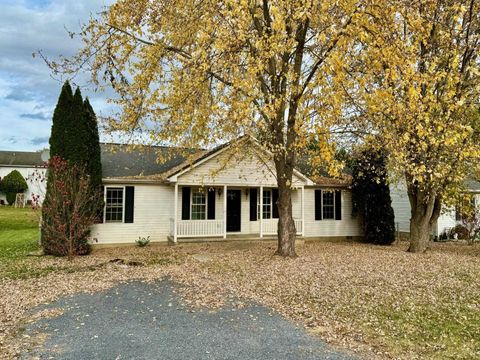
199	205
114	205
328	205
267	204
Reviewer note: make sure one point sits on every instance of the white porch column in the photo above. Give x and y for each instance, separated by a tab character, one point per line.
303	211
175	215
261	211
224	211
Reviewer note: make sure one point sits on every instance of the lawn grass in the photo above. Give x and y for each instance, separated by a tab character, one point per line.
18	232
18	238
432	330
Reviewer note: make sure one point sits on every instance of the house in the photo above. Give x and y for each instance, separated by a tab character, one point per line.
448	219
228	192
30	165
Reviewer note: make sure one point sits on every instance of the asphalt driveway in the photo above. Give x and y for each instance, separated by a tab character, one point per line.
147	321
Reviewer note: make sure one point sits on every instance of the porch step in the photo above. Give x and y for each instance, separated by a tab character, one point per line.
232	237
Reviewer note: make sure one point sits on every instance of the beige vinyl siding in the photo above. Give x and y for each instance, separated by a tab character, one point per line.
447	218
446	221
154	208
218	205
297	203
241	169
152	212
348	226
247	226
402	210
401	206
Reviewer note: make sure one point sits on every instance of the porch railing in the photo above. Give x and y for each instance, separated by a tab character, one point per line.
203	228
197	228
270	226
299	226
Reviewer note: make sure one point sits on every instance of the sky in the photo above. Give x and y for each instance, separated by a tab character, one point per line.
28	92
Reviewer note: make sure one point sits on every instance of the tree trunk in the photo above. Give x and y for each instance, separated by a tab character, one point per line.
425	210
419	233
286	224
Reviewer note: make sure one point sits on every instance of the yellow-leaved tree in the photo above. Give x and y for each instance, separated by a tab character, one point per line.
193	72
414	78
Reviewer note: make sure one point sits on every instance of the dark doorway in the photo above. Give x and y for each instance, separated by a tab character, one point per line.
234	198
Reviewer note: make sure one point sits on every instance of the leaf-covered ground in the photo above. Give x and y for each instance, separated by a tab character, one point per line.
381	298
373	299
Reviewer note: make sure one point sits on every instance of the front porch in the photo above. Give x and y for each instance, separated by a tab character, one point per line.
229	212
215	228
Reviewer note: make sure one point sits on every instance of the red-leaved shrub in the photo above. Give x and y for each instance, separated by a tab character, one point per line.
68	211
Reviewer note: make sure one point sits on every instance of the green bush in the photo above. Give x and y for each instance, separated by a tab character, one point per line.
371	197
143	241
75	137
12	184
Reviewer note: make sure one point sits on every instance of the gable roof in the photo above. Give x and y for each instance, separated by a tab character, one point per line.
21	158
197	158
248	140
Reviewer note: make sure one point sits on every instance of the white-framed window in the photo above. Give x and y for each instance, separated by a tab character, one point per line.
199	205
267	204
328	205
114	204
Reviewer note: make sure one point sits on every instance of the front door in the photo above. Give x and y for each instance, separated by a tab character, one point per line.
234	198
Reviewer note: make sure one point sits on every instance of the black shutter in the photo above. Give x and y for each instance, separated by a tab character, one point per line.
318	204
211	205
338	205
129	203
274	201
101	212
253	204
185	203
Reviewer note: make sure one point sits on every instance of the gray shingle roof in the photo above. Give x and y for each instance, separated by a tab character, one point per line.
145	162
21	158
121	161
